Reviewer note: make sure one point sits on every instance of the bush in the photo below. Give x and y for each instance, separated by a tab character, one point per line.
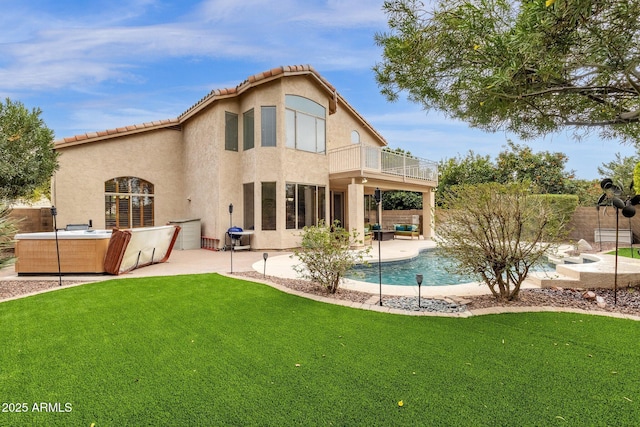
8	230
498	232
326	254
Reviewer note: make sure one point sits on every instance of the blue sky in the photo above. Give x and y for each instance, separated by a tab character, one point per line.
101	64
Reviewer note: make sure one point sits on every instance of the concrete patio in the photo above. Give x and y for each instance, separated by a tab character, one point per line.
279	263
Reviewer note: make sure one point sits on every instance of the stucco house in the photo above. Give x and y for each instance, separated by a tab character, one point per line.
283	147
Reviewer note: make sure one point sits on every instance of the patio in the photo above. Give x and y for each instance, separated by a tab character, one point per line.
279	264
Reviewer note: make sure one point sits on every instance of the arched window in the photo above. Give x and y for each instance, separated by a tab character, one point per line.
128	202
306	129
355	137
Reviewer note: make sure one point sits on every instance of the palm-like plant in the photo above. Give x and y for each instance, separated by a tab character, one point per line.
8	229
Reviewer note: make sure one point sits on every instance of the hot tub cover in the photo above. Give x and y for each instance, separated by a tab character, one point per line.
138	247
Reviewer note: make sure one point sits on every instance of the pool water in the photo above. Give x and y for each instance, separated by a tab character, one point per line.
431	264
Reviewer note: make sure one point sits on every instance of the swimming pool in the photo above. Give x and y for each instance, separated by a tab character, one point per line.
430	263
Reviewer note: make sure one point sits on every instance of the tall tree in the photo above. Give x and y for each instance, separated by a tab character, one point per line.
401	200
544	170
470	169
531	66
620	171
27	158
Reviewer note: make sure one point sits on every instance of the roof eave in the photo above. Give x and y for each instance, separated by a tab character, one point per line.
115	133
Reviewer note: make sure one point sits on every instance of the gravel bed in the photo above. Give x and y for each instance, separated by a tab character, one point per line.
628	299
16	288
426	304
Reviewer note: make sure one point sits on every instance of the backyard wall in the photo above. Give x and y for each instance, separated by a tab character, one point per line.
585	221
33	220
389	218
582	225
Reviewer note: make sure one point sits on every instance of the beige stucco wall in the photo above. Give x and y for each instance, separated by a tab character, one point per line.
78	185
214	177
193	174
343	123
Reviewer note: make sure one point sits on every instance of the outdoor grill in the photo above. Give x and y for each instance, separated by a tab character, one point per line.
235	238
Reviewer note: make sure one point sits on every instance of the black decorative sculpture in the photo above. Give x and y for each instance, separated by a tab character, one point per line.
611	195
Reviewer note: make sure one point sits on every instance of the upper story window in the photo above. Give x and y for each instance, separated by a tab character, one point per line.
129	202
230	131
306	128
268	125
247	130
355	137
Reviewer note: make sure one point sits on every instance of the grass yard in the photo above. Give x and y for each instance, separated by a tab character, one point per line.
626	252
213	351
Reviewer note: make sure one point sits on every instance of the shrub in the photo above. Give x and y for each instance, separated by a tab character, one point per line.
8	229
326	254
498	232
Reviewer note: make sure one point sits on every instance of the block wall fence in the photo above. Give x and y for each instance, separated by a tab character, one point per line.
582	225
584	222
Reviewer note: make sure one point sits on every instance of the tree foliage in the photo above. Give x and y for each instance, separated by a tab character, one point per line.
545	170
27	158
531	66
401	200
588	191
470	169
326	256
498	232
620	171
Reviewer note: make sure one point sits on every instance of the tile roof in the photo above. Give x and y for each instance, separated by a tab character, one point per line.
104	134
214	95
257	79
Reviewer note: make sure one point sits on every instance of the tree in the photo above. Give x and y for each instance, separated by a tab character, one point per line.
27	158
498	232
545	170
588	191
620	171
530	67
326	256
401	200
470	169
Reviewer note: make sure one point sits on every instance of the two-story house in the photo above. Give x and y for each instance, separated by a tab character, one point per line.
283	147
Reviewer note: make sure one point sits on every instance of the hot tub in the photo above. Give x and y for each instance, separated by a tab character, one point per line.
81	251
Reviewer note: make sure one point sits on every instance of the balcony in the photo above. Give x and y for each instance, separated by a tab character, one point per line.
366	159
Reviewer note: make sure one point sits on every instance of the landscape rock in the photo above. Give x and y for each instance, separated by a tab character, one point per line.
600	301
583	245
589	295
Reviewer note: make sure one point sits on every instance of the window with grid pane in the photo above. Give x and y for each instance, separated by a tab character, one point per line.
129	203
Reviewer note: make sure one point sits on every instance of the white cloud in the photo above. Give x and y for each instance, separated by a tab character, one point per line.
49	51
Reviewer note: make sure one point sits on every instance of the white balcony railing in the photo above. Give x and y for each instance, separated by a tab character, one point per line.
365	158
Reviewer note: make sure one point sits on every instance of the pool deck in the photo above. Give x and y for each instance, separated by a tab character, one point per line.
279	263
391	250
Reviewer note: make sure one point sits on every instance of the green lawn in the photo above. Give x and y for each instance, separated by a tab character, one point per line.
626	252
208	350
